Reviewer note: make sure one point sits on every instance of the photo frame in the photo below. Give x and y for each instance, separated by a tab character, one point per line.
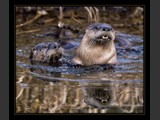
66	77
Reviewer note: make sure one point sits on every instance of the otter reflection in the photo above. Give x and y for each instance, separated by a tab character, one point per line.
98	97
126	97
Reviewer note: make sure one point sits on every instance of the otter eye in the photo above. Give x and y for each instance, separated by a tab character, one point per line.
55	47
96	28
107	29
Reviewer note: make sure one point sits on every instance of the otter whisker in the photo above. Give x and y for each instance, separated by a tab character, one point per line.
92	42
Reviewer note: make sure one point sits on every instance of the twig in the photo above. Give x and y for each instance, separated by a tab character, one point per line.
39	14
89	13
29	31
93	14
60	22
49	20
20	79
20	93
97	14
61	13
76	20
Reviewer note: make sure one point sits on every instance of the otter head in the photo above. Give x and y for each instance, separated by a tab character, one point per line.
49	52
100	34
97	46
54	52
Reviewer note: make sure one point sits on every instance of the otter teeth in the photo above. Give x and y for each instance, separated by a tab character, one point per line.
105	37
102	38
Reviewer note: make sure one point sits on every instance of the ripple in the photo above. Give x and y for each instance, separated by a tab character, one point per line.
84	80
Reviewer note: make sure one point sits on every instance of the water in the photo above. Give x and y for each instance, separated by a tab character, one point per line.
64	89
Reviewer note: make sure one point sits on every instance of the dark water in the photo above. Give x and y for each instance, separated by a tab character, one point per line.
64	89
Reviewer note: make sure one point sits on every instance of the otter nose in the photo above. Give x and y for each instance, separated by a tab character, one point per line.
106	29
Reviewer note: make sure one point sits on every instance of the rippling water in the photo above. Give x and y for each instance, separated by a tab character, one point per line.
63	89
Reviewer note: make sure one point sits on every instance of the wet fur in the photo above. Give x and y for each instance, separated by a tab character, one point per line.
90	52
40	53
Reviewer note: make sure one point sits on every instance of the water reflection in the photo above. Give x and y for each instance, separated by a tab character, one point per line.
78	96
122	95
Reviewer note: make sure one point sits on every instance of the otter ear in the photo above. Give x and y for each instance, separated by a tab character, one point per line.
76	60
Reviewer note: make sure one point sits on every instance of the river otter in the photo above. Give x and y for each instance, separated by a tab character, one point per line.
97	46
48	52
